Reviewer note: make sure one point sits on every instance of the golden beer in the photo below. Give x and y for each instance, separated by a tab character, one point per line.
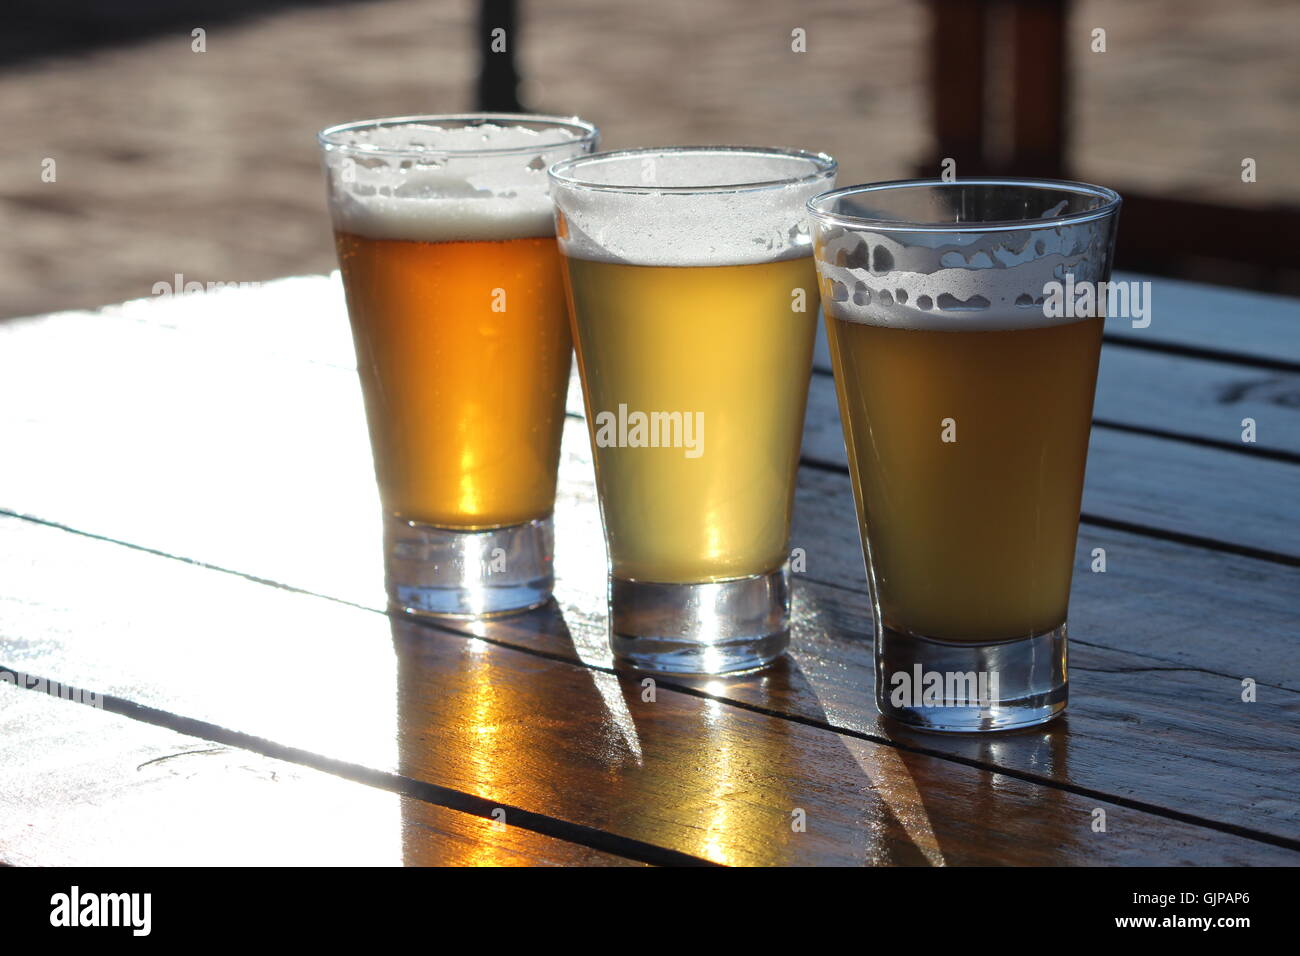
971	539
445	235
463	350
731	346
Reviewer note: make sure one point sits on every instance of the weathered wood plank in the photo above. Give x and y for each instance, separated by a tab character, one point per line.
1156	713
115	426
1234	322
682	771
82	787
1198	399
1159	601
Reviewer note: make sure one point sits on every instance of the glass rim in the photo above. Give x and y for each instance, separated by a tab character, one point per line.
588	134
823	165
1111	204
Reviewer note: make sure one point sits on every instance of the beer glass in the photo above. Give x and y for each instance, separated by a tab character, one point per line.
445	239
693	300
965	382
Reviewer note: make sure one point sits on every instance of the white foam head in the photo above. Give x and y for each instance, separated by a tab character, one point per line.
950	274
689	206
448	179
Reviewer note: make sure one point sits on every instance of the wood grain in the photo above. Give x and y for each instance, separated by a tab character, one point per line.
1199	400
1156	714
684	771
82	787
1234	322
1159	605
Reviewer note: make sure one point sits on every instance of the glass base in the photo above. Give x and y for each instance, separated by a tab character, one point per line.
719	627
442	572
964	688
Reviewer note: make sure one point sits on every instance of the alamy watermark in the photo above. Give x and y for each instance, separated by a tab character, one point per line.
129	910
1089	300
633	429
52	687
192	287
922	688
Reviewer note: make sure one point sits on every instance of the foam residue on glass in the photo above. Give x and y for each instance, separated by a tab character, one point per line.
714	221
438	189
956	280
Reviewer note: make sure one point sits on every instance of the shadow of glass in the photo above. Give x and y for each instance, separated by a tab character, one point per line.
622	752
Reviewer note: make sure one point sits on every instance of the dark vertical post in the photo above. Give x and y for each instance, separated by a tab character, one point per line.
498	41
1039	118
958	43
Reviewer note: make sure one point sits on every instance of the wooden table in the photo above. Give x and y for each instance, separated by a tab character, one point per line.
190	530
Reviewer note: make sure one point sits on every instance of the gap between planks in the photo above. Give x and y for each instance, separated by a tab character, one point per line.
426	792
577	833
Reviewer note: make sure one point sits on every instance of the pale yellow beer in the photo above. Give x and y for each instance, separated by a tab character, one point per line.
464	354
971	539
693	300
730	345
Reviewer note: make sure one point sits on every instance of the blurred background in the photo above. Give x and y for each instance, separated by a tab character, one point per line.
171	160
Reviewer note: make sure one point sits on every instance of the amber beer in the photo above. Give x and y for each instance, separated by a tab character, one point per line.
445	235
463	350
971	539
730	345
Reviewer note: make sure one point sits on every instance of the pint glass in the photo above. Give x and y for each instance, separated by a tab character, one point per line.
965	383
445	239
693	301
